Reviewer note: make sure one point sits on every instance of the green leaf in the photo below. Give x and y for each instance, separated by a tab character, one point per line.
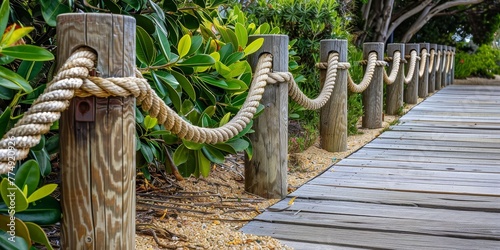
51	9
46	211
181	155
225	119
192	145
213	154
15	35
184	45
28	52
15	242
150	122
164	45
198	60
38	235
10	192
13	81
196	42
190	22
254	46
43	159
173	95
42	192
147	152
4	120
145	48
170	5
241	34
28	174
203	164
238	144
29	70
4	16
186	86
21	229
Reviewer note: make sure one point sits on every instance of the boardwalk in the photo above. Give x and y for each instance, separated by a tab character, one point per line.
431	182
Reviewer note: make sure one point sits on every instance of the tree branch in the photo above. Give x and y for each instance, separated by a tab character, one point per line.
423	19
407	15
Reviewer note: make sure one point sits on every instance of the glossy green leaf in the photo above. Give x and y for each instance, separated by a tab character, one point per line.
164	45
10	192
145	49
200	3
241	34
249	150
158	85
147	152
38	235
29	70
16	242
184	45
28	52
203	164
136	4
238	144
187	107
42	192
43	159
13	81
180	155
150	122
173	95
192	145
190	22
51	9
198	60
170	5
4	15
4	120
254	46
52	144
225	119
21	231
213	154
146	23
46	211
186	86
196	42
215	82
234	57
28	175
15	35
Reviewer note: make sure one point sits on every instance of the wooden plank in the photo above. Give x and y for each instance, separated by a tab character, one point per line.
472	145
298	245
442	136
432	148
363	238
478	229
388	164
400	198
466	156
422	158
409	128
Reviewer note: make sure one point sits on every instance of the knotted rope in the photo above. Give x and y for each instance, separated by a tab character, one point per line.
411	68
73	79
395	68
298	96
423	61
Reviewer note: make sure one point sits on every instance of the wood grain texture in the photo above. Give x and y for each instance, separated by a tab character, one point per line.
432	72
423	82
394	101
411	90
431	182
373	95
98	158
333	116
438	67
266	172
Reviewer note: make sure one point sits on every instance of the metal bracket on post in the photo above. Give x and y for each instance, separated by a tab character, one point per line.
85	109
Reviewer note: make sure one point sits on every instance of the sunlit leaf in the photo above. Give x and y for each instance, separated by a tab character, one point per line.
180	155
13	81
254	46
42	192
203	164
4	16
15	34
150	122
8	190
38	235
198	60
28	175
241	34
184	45
28	52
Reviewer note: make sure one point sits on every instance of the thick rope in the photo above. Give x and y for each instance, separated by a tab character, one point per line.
423	61
438	61
298	96
445	61
411	68
73	78
367	78
396	61
431	60
448	62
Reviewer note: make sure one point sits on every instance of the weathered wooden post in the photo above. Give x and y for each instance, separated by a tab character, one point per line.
411	91
373	95
333	116
266	172
423	82
439	62
97	137
452	78
432	68
394	101
443	66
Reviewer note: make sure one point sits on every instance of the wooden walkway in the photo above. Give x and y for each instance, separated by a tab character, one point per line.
431	182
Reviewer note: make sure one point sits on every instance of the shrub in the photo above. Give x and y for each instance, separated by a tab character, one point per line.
482	62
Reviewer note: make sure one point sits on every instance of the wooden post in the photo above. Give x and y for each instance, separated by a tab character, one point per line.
97	137
439	62
394	101
432	71
452	77
411	91
423	82
266	172
373	95
333	116
443	66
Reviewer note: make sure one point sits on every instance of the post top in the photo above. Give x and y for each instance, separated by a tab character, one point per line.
101	15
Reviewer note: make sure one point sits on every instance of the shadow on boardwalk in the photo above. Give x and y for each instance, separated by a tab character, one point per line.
431	182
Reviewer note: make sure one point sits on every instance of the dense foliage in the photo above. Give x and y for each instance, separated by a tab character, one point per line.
483	61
